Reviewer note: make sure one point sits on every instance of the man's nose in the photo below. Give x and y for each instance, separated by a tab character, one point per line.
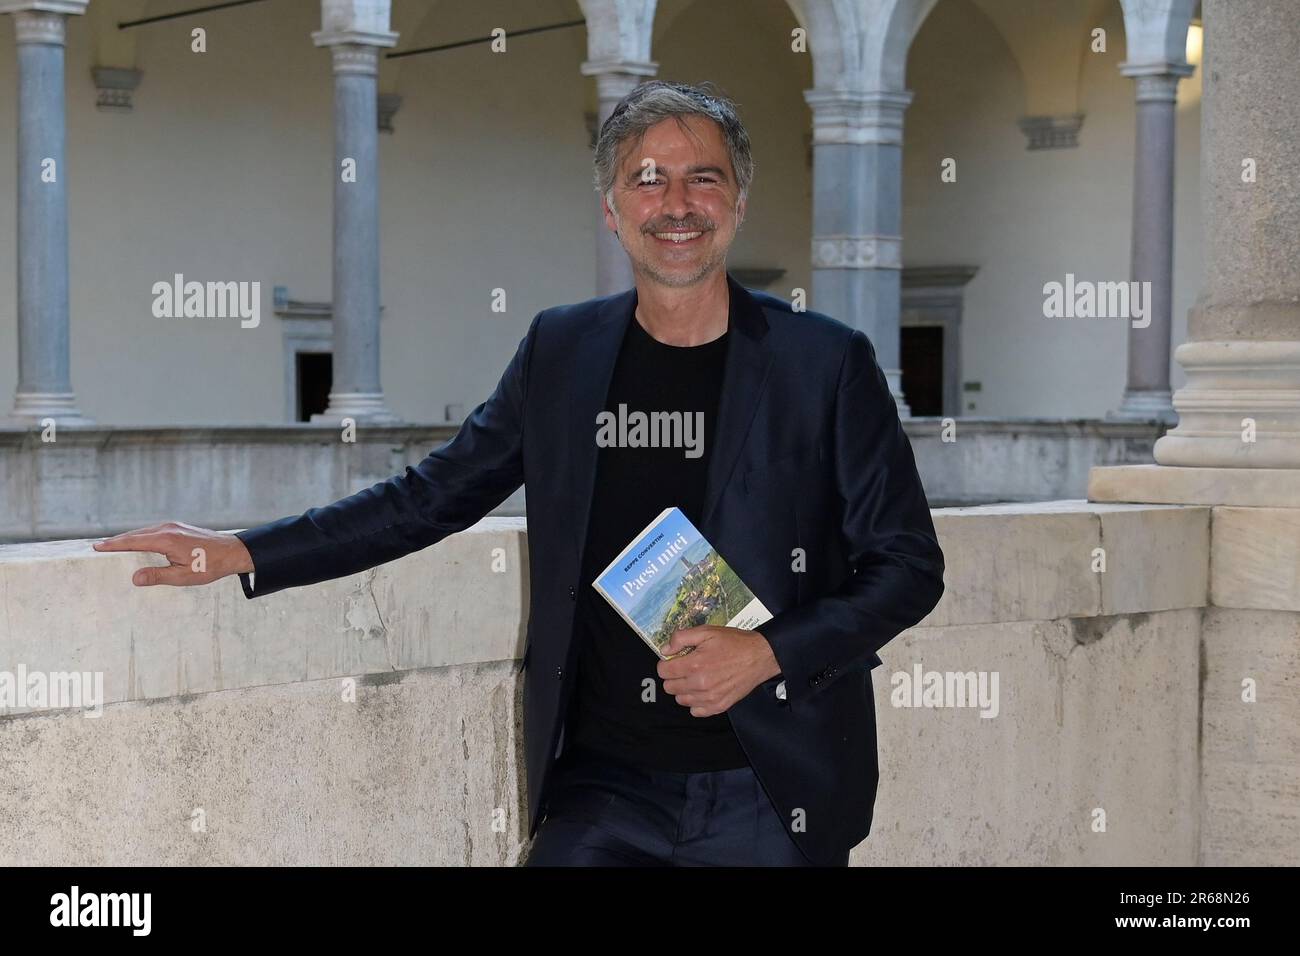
676	200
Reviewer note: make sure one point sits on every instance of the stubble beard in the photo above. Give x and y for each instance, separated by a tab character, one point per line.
645	266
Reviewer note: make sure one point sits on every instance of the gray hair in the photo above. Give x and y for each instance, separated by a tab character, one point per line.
655	101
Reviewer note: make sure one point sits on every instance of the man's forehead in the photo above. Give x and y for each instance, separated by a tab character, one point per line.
694	132
669	144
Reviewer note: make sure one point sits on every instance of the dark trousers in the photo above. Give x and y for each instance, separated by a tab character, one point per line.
602	812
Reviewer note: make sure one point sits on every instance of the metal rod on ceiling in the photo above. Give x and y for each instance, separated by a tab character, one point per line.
127	24
486	39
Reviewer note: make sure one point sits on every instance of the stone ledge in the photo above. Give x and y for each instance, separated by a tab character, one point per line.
1169	484
69	608
1256	558
1033	562
28	436
105	479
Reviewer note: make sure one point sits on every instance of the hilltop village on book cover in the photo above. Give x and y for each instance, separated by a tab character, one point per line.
670	578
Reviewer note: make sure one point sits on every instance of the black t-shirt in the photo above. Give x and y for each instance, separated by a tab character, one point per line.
612	710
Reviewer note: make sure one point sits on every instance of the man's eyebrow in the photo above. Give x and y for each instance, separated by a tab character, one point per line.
690	171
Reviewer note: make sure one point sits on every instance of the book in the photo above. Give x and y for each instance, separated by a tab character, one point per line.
669	578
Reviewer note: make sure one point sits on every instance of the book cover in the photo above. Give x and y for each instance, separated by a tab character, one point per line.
669	578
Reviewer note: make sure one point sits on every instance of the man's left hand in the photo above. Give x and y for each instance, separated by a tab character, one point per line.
726	664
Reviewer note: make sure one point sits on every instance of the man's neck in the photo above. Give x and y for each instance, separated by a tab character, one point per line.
694	315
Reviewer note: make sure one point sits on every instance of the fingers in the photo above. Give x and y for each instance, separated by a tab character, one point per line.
683	641
185	547
701	708
697	698
702	701
681	685
176	575
151	538
146	539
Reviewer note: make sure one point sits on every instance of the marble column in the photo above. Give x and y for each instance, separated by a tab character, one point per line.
356	391
44	356
1240	408
857	256
613	82
1147	395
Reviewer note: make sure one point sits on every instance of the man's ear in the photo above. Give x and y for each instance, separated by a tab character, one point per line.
611	221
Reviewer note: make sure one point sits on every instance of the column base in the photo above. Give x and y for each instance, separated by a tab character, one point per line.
1162	484
1239	409
31	408
1145	405
366	407
894	376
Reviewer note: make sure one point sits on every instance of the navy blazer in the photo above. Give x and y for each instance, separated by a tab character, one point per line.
812	497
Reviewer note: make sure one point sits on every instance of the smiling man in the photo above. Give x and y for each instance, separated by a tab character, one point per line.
759	746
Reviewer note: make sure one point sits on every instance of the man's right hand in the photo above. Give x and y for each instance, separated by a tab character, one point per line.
196	555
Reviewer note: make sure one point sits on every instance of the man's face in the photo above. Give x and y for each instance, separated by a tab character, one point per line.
676	207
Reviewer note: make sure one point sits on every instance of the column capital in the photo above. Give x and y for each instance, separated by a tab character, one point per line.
635	68
114	85
355	51
857	252
355	58
42	21
617	78
1157	81
71	8
1179	68
370	38
857	116
39	26
1156	88
1051	132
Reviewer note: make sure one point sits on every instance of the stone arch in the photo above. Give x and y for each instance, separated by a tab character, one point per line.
861	44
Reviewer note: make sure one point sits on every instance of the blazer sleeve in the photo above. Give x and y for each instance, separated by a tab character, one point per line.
896	565
452	488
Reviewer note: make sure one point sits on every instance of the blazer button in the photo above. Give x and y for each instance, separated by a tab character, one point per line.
559	673
573	594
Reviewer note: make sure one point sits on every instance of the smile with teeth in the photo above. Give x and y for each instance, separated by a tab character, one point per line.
677	236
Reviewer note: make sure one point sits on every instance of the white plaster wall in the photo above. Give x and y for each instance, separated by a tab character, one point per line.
223	173
218	174
487	185
744	47
1027	218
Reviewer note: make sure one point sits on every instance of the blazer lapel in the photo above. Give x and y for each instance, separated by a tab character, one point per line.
595	353
744	377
